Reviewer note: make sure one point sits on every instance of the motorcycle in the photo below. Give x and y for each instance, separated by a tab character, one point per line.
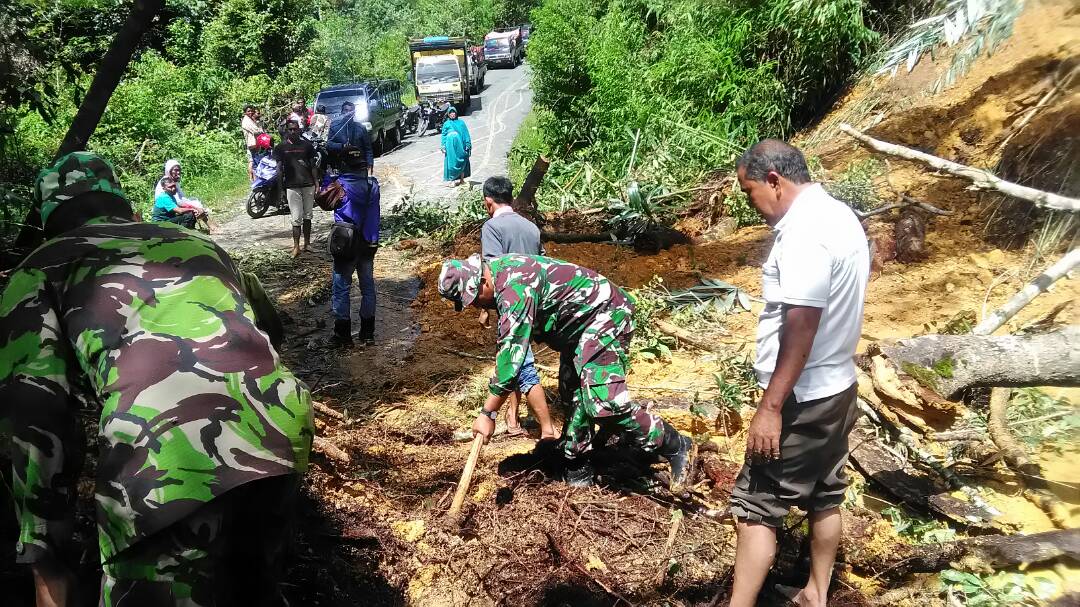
321	154
432	116
410	122
266	190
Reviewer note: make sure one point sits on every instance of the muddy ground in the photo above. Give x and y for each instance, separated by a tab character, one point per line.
373	529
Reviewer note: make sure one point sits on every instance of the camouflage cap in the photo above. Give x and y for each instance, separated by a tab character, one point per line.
459	280
72	176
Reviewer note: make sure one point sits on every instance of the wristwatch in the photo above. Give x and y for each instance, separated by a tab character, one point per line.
492	415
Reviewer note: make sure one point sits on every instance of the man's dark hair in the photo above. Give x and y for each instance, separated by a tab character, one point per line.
248	107
167	180
774	155
499	189
291	123
347	104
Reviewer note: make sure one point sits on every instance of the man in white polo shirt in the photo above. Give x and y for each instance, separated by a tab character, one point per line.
813	283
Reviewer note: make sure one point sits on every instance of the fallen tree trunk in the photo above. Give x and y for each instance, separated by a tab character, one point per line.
1036	287
982	180
989	552
951	363
890	471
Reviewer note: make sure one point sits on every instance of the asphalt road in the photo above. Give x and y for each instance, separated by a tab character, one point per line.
493	121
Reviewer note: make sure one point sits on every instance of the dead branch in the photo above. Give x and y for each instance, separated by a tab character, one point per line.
1061	85
1033	289
330	450
982	180
1029	473
687	337
907	201
951	363
327	411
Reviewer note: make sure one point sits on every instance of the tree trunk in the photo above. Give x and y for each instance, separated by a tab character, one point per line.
951	363
996	551
112	67
525	203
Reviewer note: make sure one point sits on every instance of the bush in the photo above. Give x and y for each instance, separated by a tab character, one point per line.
685	86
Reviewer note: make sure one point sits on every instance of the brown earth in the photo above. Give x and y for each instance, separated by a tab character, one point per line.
377	522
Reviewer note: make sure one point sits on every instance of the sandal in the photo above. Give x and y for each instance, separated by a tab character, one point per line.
516	431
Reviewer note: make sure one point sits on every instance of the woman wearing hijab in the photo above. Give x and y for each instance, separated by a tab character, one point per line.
172	170
456	147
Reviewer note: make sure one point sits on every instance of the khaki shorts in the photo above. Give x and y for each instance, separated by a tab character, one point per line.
810	472
301	204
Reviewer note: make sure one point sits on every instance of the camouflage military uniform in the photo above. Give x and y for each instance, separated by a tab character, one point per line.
589	321
149	322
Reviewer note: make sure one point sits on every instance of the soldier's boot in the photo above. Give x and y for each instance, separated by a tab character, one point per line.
342	332
580	473
307	234
367	330
676	450
296	241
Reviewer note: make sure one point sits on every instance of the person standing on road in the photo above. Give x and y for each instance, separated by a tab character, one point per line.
456	148
353	160
507	232
296	157
203	433
590	322
814	285
251	129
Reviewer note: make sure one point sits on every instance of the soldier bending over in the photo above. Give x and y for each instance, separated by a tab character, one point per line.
589	321
202	434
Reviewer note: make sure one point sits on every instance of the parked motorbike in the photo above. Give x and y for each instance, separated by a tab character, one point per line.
432	116
266	190
321	155
410	122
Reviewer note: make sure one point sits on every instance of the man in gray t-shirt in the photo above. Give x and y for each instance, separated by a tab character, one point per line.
505	233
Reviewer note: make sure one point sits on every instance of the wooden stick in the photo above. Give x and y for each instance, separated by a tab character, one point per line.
1036	287
982	180
466	478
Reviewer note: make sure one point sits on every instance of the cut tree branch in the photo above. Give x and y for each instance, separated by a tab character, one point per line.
908	201
952	363
1036	287
982	180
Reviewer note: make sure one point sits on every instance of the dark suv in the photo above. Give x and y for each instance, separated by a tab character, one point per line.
378	104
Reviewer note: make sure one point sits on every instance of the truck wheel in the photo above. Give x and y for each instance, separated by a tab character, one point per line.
377	145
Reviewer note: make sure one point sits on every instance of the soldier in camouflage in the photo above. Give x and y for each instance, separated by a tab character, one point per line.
202	433
590	322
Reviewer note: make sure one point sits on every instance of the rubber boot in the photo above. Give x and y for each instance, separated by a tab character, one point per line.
367	330
307	234
579	473
676	450
296	241
342	332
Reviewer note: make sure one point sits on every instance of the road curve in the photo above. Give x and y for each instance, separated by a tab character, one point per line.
493	121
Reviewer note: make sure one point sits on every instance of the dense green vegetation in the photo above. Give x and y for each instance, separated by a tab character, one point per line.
665	92
204	59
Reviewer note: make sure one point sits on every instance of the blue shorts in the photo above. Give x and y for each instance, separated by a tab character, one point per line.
527	376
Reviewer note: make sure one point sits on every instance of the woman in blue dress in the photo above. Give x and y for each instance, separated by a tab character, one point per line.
456	147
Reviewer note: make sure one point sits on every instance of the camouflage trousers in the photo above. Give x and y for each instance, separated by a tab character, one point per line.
594	375
229	552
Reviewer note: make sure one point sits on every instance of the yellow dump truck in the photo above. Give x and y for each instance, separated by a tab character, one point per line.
441	70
